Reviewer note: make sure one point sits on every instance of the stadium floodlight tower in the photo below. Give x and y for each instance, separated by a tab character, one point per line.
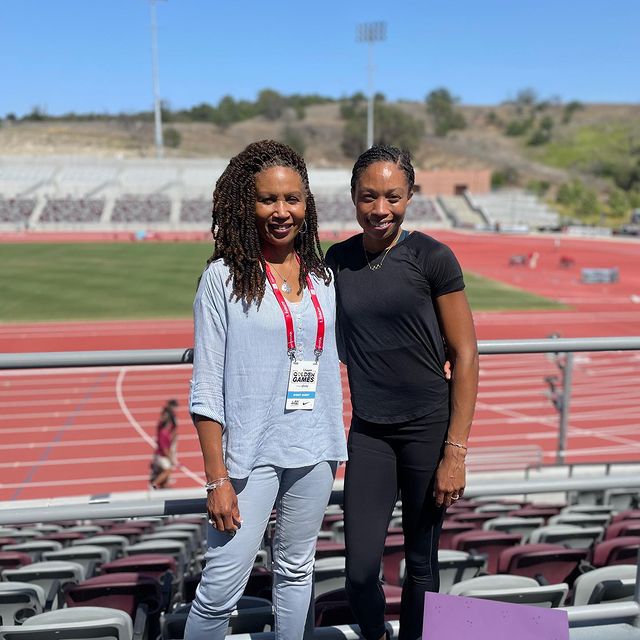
156	80
371	32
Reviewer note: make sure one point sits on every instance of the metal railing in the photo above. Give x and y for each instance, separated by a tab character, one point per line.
560	395
177	502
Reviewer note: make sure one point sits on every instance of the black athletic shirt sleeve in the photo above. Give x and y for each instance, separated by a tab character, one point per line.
439	265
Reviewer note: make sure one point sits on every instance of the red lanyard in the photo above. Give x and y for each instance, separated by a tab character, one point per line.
288	318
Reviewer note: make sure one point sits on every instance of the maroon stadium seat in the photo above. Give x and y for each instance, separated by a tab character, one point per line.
623	550
535	512
328	548
622	528
451	528
13	560
476	519
132	534
332	608
133	593
552	562
64	537
392	556
489	544
631	514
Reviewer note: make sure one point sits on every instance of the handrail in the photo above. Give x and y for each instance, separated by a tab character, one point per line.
171	502
51	359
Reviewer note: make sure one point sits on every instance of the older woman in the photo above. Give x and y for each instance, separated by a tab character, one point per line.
266	394
400	299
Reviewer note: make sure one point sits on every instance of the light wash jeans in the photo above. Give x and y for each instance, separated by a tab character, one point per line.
300	497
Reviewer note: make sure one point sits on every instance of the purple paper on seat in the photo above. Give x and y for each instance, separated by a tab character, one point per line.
447	617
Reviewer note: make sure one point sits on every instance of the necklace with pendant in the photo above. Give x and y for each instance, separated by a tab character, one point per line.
285	286
375	267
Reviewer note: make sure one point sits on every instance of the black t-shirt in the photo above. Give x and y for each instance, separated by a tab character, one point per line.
388	331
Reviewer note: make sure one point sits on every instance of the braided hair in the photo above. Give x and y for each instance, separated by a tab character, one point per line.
234	230
384	153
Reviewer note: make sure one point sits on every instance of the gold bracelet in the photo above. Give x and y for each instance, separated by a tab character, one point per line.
456	444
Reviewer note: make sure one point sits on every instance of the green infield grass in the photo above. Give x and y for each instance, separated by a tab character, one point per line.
95	281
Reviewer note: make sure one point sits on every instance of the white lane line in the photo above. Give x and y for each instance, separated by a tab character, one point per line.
96	460
75	443
110	427
96	402
575	432
139	429
482	423
100	482
57	395
48	415
63	371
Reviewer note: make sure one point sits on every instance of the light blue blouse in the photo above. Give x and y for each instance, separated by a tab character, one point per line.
240	376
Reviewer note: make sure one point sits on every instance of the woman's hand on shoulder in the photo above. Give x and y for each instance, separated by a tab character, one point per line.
222	507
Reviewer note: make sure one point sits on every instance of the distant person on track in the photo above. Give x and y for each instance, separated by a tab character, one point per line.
266	391
164	458
400	299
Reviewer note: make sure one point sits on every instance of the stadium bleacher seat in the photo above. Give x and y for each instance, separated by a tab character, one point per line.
581	519
513	524
451	528
71	211
34	548
550	562
137	595
621	550
12	560
115	544
174	548
456	566
50	574
91	557
392	559
19	601
605	584
488	544
514	589
569	536
83	623
630	514
621	528
329	574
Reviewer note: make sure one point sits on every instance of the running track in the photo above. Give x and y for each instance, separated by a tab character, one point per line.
70	432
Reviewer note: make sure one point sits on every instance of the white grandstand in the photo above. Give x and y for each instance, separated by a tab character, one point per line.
514	208
93	194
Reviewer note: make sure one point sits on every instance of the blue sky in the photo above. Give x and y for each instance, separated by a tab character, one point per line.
95	55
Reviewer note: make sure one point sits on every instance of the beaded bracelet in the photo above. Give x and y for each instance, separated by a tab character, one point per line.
214	484
456	444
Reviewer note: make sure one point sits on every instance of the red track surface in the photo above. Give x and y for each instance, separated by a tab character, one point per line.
69	432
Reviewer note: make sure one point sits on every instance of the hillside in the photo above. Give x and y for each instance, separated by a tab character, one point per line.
571	151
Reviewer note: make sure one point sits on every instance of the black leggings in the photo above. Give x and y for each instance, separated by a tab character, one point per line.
385	460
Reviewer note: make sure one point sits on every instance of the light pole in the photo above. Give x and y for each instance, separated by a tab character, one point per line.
371	32
156	81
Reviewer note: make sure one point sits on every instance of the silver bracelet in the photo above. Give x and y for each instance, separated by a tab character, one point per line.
214	484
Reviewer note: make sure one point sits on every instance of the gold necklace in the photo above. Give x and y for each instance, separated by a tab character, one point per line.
375	267
285	286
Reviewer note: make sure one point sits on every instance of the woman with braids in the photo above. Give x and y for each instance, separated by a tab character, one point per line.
400	299
266	395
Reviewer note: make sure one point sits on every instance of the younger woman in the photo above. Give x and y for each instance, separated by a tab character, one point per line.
400	299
